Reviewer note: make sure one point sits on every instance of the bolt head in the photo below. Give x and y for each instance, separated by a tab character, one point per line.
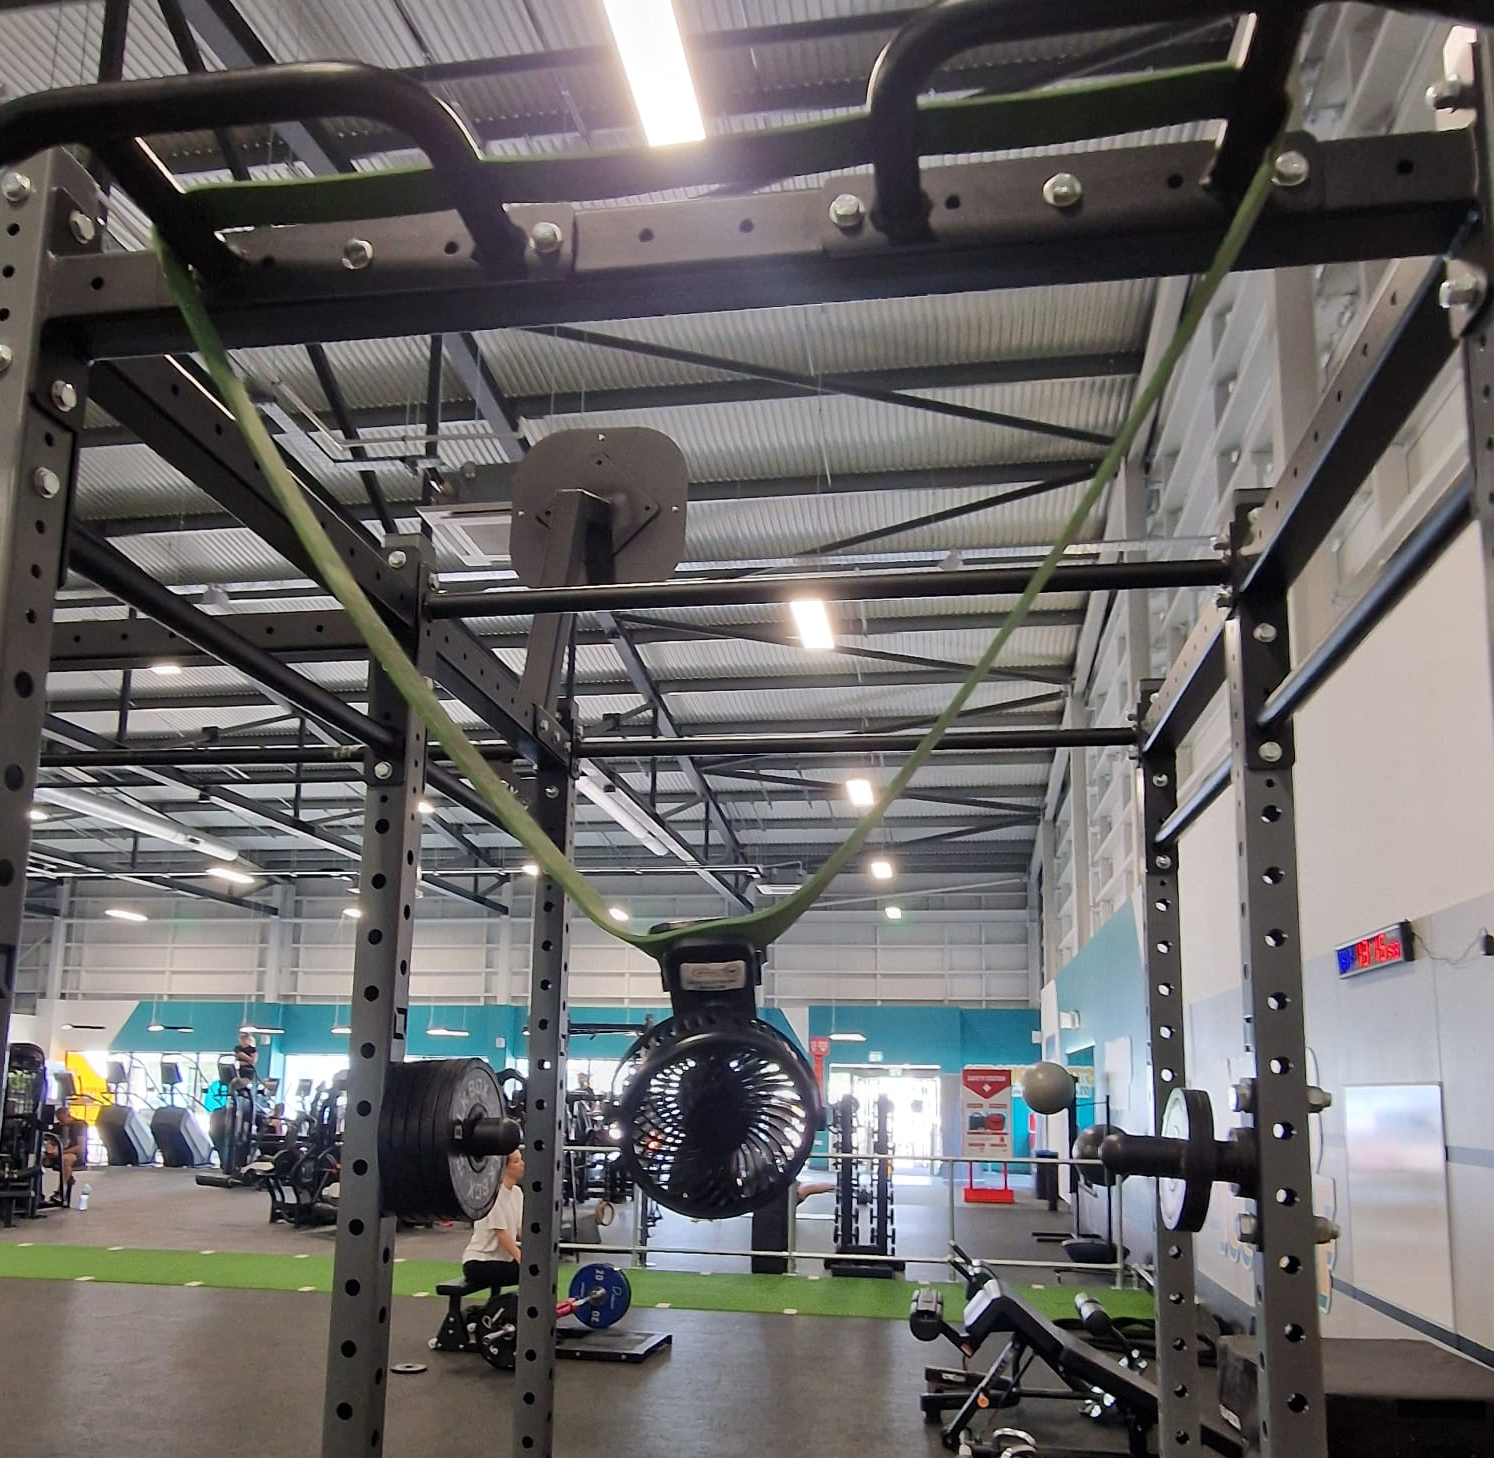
383	770
847	211
1466	292
15	187
1159	779
357	253
551	792
1263	633
1270	751
7	358
546	238
82	227
64	395
1164	862
1063	190
1448	94
47	482
1290	169
397	559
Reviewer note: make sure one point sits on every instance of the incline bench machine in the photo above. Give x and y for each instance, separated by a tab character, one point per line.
1030	1336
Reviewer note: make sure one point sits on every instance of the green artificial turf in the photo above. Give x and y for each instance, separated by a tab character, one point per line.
687	1290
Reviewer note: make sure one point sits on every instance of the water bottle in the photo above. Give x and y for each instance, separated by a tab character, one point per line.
83	1195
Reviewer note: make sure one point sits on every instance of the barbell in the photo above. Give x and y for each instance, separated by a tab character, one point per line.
599	1297
444	1136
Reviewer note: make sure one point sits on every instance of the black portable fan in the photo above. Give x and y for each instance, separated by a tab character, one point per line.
717	1110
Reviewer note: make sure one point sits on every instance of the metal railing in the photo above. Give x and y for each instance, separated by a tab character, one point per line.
639	1248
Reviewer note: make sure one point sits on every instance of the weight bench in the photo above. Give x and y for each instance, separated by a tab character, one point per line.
1085	1372
455	1334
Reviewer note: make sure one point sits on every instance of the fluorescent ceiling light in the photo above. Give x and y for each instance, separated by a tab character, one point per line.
617	913
137	819
232	875
621	808
353	911
260	1028
813	623
166	670
861	792
123	913
847	1037
97	1027
36	814
529	868
151	1028
779	888
894	913
648	41
447	1033
880	870
341	1029
425	807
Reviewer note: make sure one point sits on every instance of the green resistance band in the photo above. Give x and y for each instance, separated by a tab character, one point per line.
765	925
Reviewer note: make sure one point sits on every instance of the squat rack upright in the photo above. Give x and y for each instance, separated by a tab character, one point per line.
330	260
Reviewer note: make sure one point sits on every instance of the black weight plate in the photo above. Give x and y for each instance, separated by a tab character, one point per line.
611	1305
422	1175
399	1190
472	1093
1184	1202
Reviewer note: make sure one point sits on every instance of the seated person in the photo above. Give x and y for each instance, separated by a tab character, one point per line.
274	1122
492	1256
72	1143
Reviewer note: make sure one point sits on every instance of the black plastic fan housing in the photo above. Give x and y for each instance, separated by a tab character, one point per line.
717	1109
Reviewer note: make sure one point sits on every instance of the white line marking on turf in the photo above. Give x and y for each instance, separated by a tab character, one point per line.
114	1247
22	1244
421	1293
193	1283
82	1278
306	1288
790	1310
662	1305
207	1252
303	1256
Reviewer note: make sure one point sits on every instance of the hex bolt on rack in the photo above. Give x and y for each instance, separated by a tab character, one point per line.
84	326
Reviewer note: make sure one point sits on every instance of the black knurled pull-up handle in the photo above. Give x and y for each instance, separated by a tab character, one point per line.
111	116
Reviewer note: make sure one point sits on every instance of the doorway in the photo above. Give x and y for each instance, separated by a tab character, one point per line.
913	1090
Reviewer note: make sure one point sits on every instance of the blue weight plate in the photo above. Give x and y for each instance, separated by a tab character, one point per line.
617	1294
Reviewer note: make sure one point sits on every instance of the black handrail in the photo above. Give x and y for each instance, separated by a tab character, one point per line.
111	116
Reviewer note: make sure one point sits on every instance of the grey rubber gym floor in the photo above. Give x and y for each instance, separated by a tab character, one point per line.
165	1372
169	1373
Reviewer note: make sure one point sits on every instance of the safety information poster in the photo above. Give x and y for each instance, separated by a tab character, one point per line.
986	1112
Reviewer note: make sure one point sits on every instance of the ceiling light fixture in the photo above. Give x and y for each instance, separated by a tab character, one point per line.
137	819
619	805
268	1032
847	1037
861	792
36	815
341	1030
425	807
617	913
123	913
529	868
151	1027
779	888
893	913
648	41
352	911
97	1027
166	670
881	870
447	1033
813	623
232	875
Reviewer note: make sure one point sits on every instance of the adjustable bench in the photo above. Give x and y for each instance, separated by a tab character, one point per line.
1031	1336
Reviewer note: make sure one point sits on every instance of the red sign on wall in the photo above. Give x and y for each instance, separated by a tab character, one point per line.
819	1048
986	1112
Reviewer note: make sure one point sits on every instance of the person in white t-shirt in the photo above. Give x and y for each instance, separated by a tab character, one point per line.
492	1257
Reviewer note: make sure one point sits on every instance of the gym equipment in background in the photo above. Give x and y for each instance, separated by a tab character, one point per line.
174	1127
121	1127
179	1137
232	1126
717	1109
25	1117
301	1174
1104	1387
599	1297
855	1188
